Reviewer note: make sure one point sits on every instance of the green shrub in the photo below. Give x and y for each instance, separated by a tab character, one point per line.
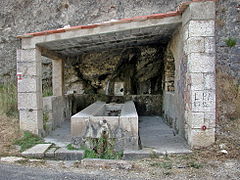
71	147
231	42
103	148
194	164
28	140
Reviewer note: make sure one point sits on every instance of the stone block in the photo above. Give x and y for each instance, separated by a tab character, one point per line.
107	163
200	63
197	81
136	154
28	55
210	119
65	154
202	28
29	101
78	126
199	11
201	138
31	120
50	153
11	159
29	68
30	43
47	103
209	81
29	85
195	45
210	45
197	120
203	101
130	124
36	151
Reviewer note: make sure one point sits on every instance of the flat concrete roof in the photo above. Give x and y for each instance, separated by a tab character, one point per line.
76	40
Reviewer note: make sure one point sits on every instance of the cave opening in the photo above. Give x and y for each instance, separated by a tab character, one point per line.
130	73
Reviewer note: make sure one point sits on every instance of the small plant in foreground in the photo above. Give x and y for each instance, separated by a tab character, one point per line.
231	42
103	148
195	165
71	147
28	140
153	155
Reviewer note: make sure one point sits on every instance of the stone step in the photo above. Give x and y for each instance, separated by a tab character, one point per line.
36	151
65	154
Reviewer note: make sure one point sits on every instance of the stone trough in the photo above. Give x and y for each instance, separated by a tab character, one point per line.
117	122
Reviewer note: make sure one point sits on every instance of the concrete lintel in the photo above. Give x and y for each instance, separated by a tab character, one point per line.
28	43
51	54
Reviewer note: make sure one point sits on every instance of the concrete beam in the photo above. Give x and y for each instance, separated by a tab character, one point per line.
40	40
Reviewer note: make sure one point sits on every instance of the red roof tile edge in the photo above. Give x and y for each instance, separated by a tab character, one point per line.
180	9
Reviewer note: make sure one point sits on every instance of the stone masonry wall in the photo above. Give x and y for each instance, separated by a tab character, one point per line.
227	26
227	61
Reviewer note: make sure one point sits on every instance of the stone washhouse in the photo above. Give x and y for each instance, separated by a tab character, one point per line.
188	78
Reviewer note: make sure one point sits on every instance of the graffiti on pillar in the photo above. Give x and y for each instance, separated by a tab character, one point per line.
19	76
202	100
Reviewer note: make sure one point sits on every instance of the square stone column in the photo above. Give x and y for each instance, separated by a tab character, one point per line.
58	77
29	73
200	93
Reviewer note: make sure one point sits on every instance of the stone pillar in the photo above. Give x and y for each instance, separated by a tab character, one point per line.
200	93
58	77
29	70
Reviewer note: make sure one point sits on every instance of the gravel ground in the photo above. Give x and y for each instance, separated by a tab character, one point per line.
172	167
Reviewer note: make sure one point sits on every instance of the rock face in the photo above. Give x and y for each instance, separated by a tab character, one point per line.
135	72
228	60
227	23
138	68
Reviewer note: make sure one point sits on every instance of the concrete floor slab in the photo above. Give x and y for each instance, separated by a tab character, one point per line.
155	135
60	136
158	136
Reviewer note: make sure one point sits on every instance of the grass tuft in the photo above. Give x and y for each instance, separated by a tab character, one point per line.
8	99
231	42
28	140
71	147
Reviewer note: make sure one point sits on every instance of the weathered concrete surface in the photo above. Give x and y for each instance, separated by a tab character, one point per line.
11	159
61	137
106	163
92	123
37	151
158	137
173	95
56	110
65	154
137	154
